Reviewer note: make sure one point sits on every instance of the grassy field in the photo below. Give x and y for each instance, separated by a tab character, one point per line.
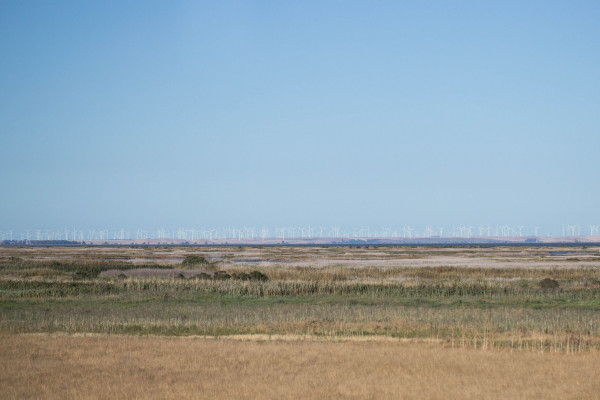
517	305
109	367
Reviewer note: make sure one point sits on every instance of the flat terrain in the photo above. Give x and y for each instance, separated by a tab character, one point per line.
109	367
461	296
321	322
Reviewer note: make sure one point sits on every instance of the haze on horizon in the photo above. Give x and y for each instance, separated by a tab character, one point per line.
213	114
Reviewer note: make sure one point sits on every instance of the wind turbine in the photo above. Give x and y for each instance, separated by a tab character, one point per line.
428	231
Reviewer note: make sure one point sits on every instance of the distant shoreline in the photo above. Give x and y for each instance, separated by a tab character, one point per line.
357	241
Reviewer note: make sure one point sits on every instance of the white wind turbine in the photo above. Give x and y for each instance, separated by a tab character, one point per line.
428	231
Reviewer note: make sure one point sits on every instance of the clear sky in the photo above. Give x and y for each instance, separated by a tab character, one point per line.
166	114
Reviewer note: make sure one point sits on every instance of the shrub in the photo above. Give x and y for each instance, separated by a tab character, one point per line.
195	260
258	276
221	275
87	273
243	276
252	276
548	283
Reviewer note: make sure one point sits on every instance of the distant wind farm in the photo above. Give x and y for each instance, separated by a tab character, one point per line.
285	234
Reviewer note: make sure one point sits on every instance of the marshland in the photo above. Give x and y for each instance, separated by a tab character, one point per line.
299	322
537	298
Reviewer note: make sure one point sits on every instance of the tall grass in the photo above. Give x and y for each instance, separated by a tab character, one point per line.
337	273
554	329
416	288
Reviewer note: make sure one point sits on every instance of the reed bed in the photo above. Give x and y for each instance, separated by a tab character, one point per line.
415	288
340	272
61	290
554	329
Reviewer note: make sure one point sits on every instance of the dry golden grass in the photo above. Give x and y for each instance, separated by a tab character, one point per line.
110	367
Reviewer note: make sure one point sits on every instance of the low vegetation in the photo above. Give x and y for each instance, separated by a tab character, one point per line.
324	292
196	261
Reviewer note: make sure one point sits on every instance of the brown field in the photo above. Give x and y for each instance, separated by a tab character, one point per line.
126	367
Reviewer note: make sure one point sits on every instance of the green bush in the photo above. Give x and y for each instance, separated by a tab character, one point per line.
195	260
258	276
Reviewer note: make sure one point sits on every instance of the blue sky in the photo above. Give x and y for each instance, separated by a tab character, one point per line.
167	114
